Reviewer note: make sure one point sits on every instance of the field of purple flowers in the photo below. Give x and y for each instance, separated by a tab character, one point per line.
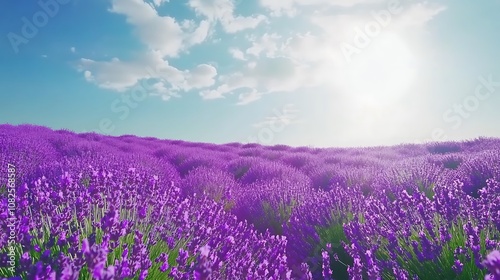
87	206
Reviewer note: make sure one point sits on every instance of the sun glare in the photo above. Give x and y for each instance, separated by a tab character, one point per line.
381	72
373	85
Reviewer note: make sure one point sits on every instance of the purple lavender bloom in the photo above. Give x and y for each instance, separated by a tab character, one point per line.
457	267
492	263
327	271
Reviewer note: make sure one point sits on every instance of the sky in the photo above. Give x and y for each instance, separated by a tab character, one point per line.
320	73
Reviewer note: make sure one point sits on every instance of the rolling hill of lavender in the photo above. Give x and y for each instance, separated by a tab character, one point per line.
88	206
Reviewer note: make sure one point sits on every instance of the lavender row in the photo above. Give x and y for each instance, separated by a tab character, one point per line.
93	206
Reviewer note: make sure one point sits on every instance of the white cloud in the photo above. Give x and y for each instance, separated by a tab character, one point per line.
73	49
115	74
122	75
201	76
211	94
162	34
273	62
161	88
267	44
268	75
277	64
419	14
228	84
337	3
280	7
288	115
237	54
341	27
165	37
291	7
307	47
159	33
200	34
159	3
223	11
239	23
88	76
248	97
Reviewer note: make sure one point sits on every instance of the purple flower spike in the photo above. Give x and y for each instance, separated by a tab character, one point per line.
492	263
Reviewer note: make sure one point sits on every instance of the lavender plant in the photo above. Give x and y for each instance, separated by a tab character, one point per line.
88	206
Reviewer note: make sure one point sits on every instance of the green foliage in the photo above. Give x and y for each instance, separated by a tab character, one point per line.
441	268
275	219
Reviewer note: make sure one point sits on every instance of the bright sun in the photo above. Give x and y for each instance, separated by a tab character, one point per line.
381	72
373	86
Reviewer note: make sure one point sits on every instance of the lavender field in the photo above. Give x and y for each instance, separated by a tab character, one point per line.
87	206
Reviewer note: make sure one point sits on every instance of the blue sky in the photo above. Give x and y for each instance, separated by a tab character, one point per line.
296	72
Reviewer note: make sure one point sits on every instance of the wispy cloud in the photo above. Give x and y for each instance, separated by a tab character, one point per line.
291	8
248	97
223	12
264	61
160	33
237	54
121	75
164	37
289	115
